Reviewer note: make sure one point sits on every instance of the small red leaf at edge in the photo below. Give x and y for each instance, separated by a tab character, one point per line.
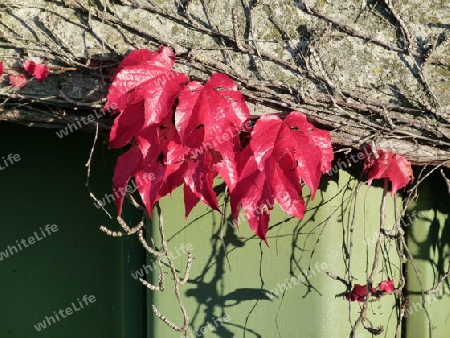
17	80
386	286
41	72
358	293
391	166
28	66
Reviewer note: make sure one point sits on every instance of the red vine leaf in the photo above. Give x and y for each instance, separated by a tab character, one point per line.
135	71
1	68
126	167
359	293
386	286
199	176
284	152
219	110
218	106
154	108
127	125
144	91
211	133
41	72
254	194
17	80
149	181
28	66
308	147
190	200
136	57
388	165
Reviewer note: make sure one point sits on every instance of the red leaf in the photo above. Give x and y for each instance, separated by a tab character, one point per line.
1	68
190	200
141	161
217	106
126	167
160	96
219	110
144	91
394	167
359	293
41	72
133	73
254	194
149	189
17	80
288	150
230	170
199	176
284	153
127	125
387	286
312	149
286	187
134	58
309	147
29	66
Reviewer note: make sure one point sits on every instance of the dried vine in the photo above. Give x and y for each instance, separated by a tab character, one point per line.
160	253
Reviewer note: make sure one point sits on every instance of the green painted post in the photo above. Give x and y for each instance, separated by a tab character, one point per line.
429	240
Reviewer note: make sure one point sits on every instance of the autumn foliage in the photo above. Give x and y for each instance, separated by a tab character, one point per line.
360	292
38	71
187	133
385	164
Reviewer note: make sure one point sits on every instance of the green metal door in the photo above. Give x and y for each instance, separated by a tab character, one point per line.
52	252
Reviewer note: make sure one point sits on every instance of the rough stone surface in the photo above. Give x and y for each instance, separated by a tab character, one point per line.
378	74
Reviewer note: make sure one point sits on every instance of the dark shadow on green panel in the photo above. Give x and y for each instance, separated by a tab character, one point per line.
208	292
47	186
428	238
433	195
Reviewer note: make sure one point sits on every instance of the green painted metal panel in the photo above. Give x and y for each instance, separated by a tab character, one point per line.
48	274
241	301
429	241
257	297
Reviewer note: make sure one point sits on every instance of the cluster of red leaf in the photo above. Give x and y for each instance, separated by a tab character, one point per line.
186	133
360	292
39	71
390	166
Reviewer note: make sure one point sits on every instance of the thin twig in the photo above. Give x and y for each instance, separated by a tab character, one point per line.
222	226
438	285
362	316
88	176
176	278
